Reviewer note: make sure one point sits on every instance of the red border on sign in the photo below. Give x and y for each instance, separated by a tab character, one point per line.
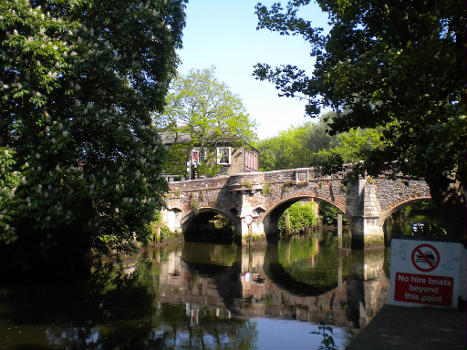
432	266
248	219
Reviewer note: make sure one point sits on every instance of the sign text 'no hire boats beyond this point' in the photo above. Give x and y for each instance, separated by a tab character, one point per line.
425	273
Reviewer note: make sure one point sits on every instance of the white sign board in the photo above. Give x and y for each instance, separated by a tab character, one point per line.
425	272
248	219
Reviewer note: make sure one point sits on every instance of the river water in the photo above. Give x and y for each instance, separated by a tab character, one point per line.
204	296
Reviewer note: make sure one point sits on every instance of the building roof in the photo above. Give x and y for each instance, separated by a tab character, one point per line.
170	138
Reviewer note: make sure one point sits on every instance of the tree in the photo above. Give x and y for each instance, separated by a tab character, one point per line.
288	150
296	146
203	108
78	80
311	145
9	182
399	65
348	148
318	137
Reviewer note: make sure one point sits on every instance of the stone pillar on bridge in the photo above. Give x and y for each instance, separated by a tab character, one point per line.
365	212
248	200
249	226
171	219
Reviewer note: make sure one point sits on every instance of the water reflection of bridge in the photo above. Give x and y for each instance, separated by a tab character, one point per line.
251	283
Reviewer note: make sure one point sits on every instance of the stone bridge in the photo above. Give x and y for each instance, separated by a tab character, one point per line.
254	201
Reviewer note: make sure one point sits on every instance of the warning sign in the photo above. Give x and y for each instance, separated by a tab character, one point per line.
425	272
248	219
431	290
425	257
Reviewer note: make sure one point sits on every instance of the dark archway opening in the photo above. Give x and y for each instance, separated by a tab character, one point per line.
417	218
209	227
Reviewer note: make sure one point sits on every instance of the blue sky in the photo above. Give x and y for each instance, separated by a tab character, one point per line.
222	33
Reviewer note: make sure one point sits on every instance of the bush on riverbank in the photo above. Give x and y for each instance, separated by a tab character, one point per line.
297	217
328	214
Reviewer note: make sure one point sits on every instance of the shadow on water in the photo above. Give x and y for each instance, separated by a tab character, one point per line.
82	314
200	296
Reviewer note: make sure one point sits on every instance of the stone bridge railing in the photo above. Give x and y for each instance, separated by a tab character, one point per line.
254	201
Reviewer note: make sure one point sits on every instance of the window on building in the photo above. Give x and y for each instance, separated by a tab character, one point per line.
198	155
223	155
251	161
202	155
195	156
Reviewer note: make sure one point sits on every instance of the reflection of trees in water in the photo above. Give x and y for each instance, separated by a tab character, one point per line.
108	310
121	304
363	274
202	328
117	308
303	276
314	261
286	279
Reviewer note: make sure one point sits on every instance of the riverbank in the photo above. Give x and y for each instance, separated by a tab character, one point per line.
171	241
398	327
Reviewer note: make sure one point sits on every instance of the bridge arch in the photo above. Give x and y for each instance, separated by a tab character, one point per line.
200	226
272	215
386	221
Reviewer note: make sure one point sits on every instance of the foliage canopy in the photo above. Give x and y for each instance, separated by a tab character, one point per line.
398	65
78	80
311	145
288	150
